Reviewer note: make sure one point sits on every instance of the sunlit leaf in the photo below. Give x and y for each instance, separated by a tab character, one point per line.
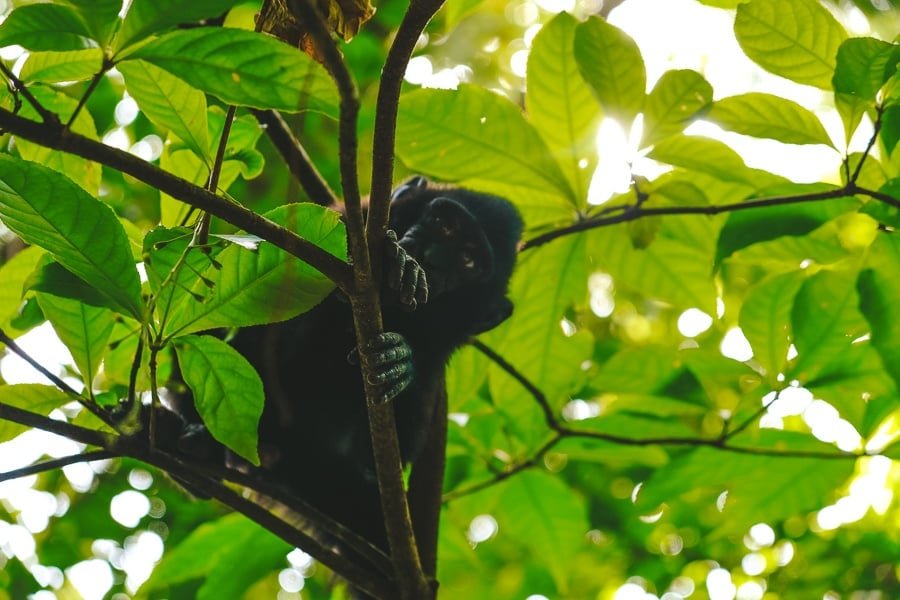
712	157
878	289
676	98
638	370
39	399
100	16
80	232
244	68
765	319
767	116
612	65
169	103
44	27
236	571
560	105
797	39
13	274
228	392
864	65
826	320
53	67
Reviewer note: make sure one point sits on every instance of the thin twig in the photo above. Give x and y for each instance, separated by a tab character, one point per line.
95	81
47	116
876	127
56	463
296	158
752	419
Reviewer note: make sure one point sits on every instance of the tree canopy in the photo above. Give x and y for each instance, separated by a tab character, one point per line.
697	395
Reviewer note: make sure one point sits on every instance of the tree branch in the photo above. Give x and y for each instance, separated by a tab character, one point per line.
67	430
296	158
56	137
56	463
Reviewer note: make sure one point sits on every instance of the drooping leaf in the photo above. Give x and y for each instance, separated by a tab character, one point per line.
465	135
612	65
146	18
560	105
83	234
53	67
797	39
244	68
265	286
227	390
169	103
765	319
768	116
863	66
41	27
84	329
676	98
37	398
826	320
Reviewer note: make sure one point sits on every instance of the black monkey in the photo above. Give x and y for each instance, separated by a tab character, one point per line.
314	435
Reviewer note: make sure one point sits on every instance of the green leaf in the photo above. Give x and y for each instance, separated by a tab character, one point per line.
169	103
266	286
146	18
236	570
767	116
14	273
544	514
851	109
863	66
796	39
879	287
713	157
676	98
83	172
100	16
200	553
466	135
746	227
244	68
53	67
228	392
638	370
890	128
39	399
612	65
881	211
45	27
54	279
765	320
80	232
84	329
560	105
666	269
826	321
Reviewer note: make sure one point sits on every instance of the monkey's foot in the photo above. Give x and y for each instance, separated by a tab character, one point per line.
391	360
404	275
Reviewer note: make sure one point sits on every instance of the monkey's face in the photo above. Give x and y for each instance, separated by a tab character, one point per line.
450	245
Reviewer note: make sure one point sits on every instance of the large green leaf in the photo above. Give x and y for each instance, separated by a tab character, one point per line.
169	103
13	274
40	399
612	65
467	134
712	157
53	67
676	98
638	371
244	68
879	289
83	328
560	104
797	39
145	18
826	320
760	488
83	234
45	27
767	116
227	390
765	320
236	571
544	514
100	16
863	66
266	285
746	227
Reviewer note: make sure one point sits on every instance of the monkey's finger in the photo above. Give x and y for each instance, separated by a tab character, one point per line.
410	283
390	356
422	288
396	389
386	339
396	265
353	356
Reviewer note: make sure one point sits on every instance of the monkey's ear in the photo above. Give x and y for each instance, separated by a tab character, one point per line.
410	185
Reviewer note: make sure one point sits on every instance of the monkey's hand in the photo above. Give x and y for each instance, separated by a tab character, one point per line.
403	274
390	358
